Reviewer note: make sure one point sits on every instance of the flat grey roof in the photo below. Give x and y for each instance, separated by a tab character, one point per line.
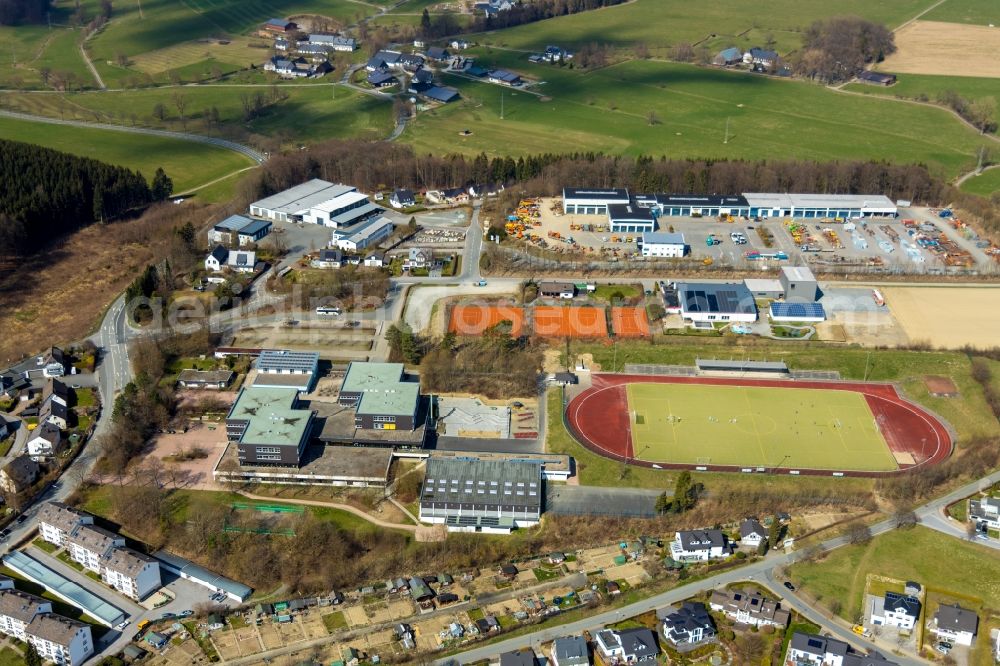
798	273
721	298
286	360
365	230
595	194
355	463
233	223
399	399
662	237
713	364
200	573
308	194
64	588
629	213
858	201
472	480
365	376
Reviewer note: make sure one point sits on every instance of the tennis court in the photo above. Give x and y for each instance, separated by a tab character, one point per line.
629	322
475	319
755	427
570	322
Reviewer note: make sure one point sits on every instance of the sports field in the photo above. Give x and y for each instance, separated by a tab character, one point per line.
569	322
629	322
738	424
475	319
755	427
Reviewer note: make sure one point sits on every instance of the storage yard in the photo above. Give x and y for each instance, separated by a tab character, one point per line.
918	242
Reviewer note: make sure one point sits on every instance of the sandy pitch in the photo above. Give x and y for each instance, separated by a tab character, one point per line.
947	316
952	49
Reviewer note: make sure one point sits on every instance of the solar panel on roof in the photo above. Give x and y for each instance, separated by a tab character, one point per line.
797	310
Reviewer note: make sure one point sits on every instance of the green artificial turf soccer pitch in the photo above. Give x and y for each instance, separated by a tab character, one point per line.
755	427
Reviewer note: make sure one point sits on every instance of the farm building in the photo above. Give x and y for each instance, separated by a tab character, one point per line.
317	202
716	302
364	235
475	495
334	42
877	78
592	201
277	26
438	54
630	218
380	79
729	56
237	228
799	284
503	77
282	368
663	244
765	288
442	94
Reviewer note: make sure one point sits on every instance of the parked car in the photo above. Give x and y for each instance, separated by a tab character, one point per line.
21	519
185	613
789	586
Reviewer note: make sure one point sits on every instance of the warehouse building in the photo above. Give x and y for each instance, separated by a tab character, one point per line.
630	218
716	302
368	234
269	427
583	201
317	202
473	495
799	284
713	205
382	397
765	288
237	228
809	206
283	368
663	244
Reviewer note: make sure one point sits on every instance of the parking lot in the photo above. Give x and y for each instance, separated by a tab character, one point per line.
884	244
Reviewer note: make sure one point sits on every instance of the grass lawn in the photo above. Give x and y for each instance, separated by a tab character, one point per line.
546	574
42	544
768	118
959	510
977	12
942	563
662	23
334	621
607	291
928	86
85	397
189	164
805	428
984	184
6	444
11	657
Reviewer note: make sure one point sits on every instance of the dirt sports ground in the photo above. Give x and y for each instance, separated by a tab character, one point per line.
473	320
952	49
629	322
601	418
947	317
561	322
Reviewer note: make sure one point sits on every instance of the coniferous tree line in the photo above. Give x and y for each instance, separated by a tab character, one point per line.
371	166
45	194
22	11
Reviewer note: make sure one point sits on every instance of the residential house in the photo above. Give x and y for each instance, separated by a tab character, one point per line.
57	391
239	229
402	199
205	379
277	26
556	54
877	78
728	56
525	657
761	59
503	77
493	7
630	646
87	544
564	290
690	624
281	44
374	261
956	624
421	81
485	190
456	195
700	546
437	54
54	363
812	650
133	574
557	558
410	62
750	608
508	571
985	513
57	522
18	608
59	639
240	261
381	79
570	651
45	441
296	68
329	258
418	258
18	475
54	411
895	610
752	533
459	44
334	42
314	52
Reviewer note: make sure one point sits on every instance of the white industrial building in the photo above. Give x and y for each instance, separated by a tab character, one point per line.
663	244
799	284
317	202
765	288
844	206
630	218
365	235
716	302
584	201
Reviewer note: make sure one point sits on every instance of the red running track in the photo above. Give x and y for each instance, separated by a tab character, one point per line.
598	418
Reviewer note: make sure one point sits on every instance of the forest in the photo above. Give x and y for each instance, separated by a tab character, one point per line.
46	194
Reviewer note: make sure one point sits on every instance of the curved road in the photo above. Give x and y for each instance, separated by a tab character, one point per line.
256	156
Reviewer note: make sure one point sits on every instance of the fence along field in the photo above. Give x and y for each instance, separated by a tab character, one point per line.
741	425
